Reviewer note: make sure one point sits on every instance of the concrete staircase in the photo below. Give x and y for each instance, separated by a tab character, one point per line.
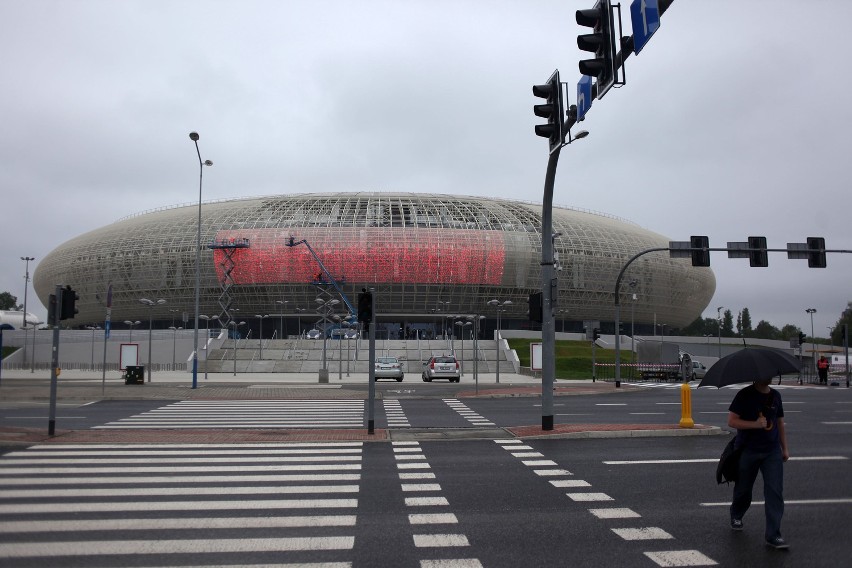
305	355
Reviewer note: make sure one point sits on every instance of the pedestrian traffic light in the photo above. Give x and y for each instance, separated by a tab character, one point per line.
596	334
816	252
51	310
801	338
69	298
536	313
552	110
700	257
757	256
601	42
365	308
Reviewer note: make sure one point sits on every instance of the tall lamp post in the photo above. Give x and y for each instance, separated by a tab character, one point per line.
633	283
131	324
206	338
500	306
93	328
812	311
719	321
150	304
462	325
283	304
233	323
194	137
26	260
260	332
174	345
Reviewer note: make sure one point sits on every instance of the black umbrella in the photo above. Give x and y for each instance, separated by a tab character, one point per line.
750	364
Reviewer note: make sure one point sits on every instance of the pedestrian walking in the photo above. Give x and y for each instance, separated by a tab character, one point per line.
822	370
758	415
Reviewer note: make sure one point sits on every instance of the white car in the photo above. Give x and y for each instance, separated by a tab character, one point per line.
389	368
698	370
314	334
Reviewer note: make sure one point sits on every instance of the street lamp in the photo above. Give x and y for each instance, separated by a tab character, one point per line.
299	321
500	306
812	311
194	137
174	345
150	304
462	325
719	321
325	308
260	333
633	283
283	309
93	328
131	324
206	338
233	323
26	260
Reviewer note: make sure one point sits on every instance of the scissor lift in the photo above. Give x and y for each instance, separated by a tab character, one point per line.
229	247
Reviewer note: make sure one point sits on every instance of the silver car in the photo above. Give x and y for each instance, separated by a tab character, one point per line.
442	367
389	368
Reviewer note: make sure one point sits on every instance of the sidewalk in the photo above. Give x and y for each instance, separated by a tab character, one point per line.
79	387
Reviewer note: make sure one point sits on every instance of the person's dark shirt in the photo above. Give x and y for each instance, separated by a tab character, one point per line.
749	404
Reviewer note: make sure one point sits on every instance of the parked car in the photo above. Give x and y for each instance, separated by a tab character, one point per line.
389	368
442	367
314	334
698	370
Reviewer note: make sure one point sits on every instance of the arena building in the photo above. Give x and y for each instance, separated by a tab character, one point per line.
427	256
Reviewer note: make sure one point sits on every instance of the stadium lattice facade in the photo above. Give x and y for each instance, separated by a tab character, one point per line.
427	256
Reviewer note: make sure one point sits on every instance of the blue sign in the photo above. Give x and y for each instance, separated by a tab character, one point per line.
645	17
584	97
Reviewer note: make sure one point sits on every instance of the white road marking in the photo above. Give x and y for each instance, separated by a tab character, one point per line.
538	462
410	457
789	502
125	547
680	558
837	423
417	475
615	513
182	447
549	472
643	533
196	480
611	404
407	449
432	518
162	491
647	413
714	460
528	454
508	441
177	505
451	563
181	469
413	465
589	497
425	501
421	487
114	460
169	452
181	523
570	483
436	540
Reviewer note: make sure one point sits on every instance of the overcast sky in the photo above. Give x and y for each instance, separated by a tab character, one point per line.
733	122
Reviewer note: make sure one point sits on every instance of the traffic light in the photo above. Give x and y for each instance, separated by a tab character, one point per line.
535	307
552	110
69	298
700	257
816	252
51	310
801	338
601	42
365	308
757	257
596	334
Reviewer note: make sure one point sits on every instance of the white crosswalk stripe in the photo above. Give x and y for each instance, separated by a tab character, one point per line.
205	414
396	417
60	505
467	413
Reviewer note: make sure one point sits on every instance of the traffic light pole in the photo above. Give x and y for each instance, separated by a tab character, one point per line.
54	361
548	284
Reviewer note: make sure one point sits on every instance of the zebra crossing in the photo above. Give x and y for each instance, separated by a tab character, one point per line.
204	414
694	385
92	505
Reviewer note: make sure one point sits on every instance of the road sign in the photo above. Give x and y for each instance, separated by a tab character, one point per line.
584	97
645	18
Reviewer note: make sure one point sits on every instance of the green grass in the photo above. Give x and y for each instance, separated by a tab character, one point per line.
573	358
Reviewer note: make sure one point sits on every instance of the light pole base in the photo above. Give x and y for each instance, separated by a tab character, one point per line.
323	375
547	423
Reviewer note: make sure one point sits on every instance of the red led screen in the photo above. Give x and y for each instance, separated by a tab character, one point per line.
371	254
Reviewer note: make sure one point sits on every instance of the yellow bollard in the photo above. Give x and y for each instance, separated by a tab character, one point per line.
686	406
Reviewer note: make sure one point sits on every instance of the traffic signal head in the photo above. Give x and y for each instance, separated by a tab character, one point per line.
816	252
700	257
552	110
536	313
757	257
365	307
601	42
51	310
69	298
801	338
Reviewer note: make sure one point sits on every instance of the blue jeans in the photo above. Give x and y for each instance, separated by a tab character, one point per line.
771	465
